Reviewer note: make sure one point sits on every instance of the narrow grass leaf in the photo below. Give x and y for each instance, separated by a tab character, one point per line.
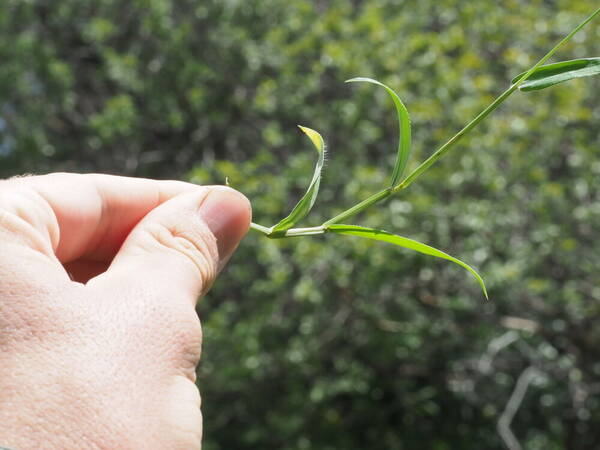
404	124
384	236
551	74
308	200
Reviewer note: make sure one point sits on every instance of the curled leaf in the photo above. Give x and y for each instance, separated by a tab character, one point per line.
411	244
305	204
404	124
551	74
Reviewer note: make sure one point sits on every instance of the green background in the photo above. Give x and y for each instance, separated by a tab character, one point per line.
335	342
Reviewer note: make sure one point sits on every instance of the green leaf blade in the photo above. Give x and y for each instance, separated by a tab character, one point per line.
404	144
306	203
552	74
380	235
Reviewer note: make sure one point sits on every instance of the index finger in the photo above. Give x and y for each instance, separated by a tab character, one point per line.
86	216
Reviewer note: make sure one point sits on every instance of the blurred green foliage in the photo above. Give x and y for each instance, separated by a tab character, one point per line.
336	343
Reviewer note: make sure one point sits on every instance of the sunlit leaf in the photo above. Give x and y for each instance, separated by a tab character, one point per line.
404	124
552	74
308	200
381	235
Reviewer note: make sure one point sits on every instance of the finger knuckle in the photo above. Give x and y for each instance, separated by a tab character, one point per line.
196	244
26	215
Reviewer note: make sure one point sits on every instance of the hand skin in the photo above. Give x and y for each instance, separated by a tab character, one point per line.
99	278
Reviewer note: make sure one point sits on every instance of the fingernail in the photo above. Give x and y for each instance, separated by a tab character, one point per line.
227	214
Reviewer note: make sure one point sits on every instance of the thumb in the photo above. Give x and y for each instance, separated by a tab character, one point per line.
182	244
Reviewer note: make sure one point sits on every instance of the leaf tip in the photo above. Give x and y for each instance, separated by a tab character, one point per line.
487	297
358	79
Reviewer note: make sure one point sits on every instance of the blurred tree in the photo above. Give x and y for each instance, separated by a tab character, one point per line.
335	343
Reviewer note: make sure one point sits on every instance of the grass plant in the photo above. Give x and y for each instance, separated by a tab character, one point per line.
539	76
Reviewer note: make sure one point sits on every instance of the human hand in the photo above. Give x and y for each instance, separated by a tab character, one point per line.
99	278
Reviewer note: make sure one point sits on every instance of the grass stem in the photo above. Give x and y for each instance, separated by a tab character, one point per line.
385	193
260	228
360	206
458	136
